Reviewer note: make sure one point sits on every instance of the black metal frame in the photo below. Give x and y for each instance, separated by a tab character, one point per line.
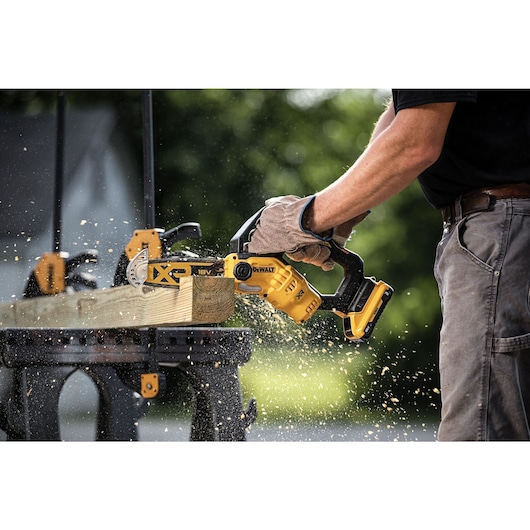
43	359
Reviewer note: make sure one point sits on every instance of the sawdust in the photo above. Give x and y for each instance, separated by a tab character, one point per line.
287	358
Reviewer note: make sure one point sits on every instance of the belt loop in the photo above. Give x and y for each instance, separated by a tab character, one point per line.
458	210
452	213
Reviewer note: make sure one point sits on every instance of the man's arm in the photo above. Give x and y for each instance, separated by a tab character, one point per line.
402	146
343	231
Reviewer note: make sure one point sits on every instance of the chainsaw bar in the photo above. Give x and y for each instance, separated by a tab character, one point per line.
167	272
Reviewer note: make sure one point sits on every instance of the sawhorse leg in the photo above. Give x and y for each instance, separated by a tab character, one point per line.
120	407
218	413
33	410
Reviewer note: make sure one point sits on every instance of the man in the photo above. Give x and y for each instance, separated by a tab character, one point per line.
470	151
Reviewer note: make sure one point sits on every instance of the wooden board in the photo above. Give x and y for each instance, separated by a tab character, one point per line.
199	300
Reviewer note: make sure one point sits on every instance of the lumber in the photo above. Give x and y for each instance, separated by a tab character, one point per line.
198	300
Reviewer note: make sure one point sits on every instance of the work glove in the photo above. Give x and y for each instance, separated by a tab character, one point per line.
279	230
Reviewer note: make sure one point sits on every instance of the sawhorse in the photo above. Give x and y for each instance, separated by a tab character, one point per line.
43	359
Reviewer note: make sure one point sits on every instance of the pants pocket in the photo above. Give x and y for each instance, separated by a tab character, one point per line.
480	237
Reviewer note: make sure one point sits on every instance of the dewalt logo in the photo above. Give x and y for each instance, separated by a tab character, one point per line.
263	269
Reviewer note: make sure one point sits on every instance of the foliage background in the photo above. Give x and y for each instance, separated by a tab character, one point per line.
218	155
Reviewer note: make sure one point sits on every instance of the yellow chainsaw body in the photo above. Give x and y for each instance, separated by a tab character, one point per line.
276	281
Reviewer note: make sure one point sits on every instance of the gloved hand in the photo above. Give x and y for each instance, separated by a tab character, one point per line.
279	230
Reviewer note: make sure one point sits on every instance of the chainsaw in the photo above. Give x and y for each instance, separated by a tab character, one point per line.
358	300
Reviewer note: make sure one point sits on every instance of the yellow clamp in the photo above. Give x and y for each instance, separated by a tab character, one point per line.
50	273
148	238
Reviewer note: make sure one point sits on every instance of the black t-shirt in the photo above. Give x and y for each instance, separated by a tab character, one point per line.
487	141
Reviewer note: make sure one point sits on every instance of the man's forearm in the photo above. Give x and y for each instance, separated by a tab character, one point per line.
401	148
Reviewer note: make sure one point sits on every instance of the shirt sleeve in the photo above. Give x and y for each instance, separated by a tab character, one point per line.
404	99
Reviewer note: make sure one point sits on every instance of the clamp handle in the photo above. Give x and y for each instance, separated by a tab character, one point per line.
180	232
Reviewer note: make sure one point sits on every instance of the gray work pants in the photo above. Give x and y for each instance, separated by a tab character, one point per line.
483	272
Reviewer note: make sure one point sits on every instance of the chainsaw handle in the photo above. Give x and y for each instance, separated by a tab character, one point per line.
353	278
89	256
237	243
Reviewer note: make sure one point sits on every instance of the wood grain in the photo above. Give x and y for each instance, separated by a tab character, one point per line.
199	300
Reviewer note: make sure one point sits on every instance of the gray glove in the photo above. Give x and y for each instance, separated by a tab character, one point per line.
279	230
